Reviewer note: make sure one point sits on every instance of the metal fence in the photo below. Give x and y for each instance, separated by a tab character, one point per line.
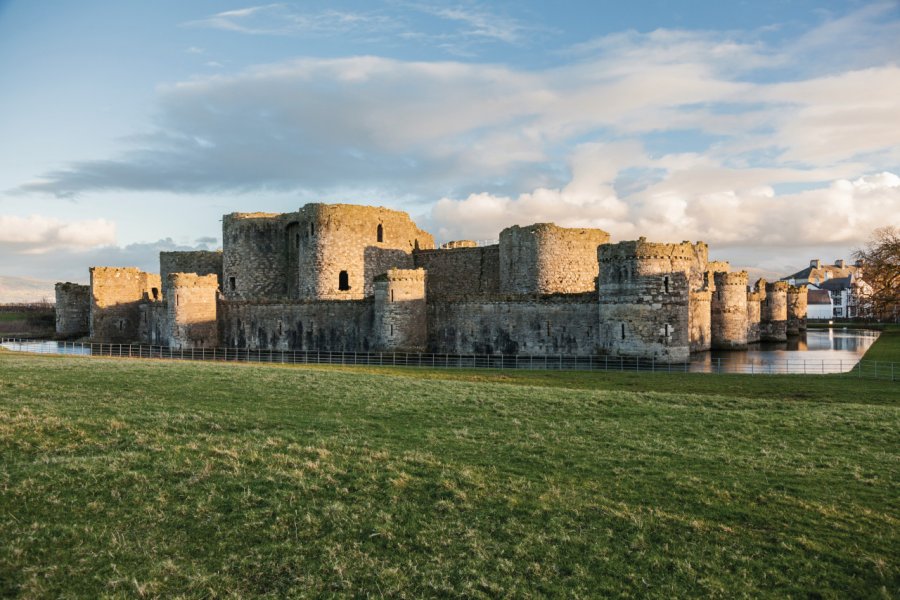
866	369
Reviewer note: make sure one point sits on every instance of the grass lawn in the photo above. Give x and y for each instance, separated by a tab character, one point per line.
127	478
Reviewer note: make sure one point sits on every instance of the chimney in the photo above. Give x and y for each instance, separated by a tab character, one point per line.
814	263
839	263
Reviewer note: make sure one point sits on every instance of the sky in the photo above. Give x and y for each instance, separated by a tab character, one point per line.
769	129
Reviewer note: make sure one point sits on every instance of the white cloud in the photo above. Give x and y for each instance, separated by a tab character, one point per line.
843	212
37	233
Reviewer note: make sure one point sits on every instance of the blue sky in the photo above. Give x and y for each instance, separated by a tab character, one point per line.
768	129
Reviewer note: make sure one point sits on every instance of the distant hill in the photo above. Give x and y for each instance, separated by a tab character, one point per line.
21	289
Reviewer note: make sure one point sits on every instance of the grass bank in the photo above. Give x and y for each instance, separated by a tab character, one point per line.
157	478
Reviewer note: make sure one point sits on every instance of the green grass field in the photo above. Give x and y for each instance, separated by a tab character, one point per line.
135	478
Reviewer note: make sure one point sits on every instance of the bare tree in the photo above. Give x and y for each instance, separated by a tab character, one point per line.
880	259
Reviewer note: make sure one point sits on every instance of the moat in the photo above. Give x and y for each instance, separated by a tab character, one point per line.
816	351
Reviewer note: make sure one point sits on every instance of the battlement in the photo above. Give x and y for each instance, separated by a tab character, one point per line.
459	244
641	249
777	286
723	279
189	280
402	275
718	266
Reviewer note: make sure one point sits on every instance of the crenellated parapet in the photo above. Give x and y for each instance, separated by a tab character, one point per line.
620	261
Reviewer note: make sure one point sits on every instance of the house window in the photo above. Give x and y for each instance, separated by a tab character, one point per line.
343	281
380	233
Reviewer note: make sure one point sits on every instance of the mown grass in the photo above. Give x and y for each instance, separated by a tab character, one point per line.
126	478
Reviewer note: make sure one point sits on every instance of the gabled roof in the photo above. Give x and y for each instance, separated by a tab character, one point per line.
811	273
818	297
833	285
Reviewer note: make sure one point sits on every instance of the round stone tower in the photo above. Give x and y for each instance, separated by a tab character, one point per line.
729	311
796	307
400	311
543	259
644	299
343	247
773	324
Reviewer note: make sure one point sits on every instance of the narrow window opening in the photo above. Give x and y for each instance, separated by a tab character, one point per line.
666	284
590	331
343	281
177	299
623	331
719	295
298	240
280	328
667	329
392	330
312	229
232	283
155	292
392	295
548	327
380	233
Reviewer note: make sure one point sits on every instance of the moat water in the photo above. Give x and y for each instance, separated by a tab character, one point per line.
815	351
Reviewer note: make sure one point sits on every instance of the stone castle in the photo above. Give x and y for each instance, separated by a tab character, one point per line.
337	277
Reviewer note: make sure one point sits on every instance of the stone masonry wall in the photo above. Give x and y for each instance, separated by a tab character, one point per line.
773	322
73	309
729	311
460	272
254	257
538	326
200	262
298	325
646	316
546	259
753	316
116	294
796	305
154	325
343	238
700	321
192	314
400	312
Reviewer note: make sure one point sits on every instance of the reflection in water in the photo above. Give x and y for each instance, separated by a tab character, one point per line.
817	350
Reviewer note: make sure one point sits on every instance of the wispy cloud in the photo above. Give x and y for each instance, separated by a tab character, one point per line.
478	22
282	19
